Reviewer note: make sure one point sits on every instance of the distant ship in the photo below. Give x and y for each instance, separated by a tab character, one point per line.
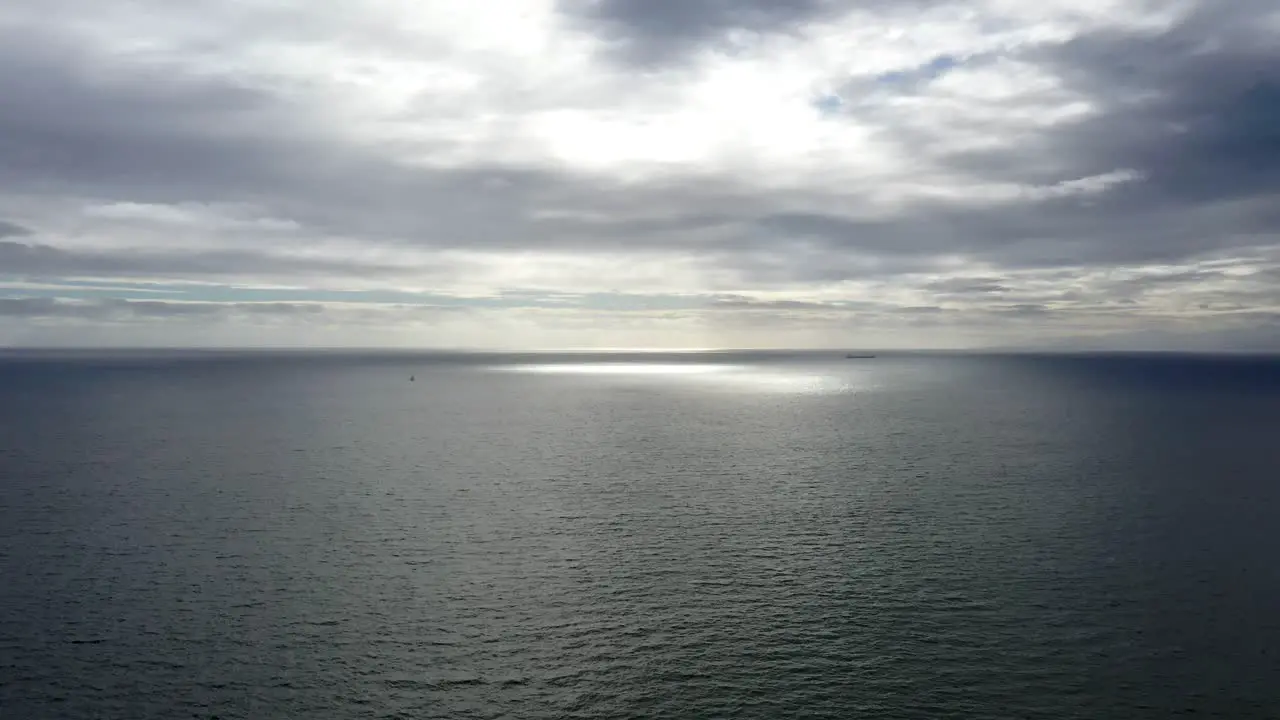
410	378
858	357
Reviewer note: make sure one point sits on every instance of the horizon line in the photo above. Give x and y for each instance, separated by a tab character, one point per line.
393	350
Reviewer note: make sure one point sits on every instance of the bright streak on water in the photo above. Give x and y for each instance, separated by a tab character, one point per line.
723	375
617	368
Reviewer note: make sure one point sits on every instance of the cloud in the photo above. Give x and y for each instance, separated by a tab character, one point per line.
8	229
127	310
35	260
1192	110
655	31
870	165
967	286
126	127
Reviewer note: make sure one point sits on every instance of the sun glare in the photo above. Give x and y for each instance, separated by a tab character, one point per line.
741	377
626	368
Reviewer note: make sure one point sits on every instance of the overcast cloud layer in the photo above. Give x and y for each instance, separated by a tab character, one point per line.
641	173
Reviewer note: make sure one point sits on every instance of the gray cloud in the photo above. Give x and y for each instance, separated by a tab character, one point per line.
39	260
1196	125
1113	230
8	229
121	310
968	286
28	307
150	136
742	302
75	123
657	31
57	308
649	33
1193	112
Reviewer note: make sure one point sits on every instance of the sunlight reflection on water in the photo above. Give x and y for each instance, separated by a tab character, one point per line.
725	375
626	368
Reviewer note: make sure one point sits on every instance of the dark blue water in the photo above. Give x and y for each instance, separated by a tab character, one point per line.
746	536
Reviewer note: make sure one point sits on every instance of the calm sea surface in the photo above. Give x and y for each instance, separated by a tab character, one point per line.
710	536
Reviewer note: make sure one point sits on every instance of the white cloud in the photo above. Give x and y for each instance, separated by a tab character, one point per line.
476	149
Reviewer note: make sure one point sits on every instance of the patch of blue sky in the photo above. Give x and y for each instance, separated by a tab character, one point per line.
828	104
929	71
933	69
835	104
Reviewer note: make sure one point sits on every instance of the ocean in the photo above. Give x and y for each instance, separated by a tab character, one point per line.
716	535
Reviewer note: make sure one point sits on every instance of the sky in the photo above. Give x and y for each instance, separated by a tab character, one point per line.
1092	174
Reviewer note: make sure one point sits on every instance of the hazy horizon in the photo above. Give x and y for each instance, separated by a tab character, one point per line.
605	355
